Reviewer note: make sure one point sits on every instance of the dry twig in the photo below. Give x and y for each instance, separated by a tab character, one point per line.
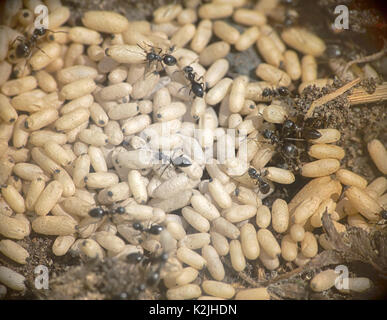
330	97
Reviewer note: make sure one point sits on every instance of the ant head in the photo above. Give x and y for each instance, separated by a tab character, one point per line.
182	162
264	187
153	278
266	92
151	56
311	134
134	257
290	150
288	124
267	133
384	214
188	69
41	31
138	226
120	210
283	91
164	256
252	173
197	89
155	229
96	212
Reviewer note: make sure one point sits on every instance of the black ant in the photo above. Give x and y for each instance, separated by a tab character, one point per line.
281	92
291	131
26	45
178	162
288	151
264	187
153	277
162	59
155	229
290	127
196	87
98	212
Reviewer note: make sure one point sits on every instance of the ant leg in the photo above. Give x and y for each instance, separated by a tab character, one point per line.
59	31
43	51
167	165
185	87
199	78
18	38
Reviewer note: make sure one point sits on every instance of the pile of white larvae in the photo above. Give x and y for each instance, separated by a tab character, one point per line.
82	124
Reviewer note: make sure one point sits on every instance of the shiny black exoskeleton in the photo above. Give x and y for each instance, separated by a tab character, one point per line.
196	87
98	212
135	257
26	45
155	229
264	187
178	162
279	92
162	59
295	131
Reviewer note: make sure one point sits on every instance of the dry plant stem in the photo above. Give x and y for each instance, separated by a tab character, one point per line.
360	96
372	57
330	96
243	275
